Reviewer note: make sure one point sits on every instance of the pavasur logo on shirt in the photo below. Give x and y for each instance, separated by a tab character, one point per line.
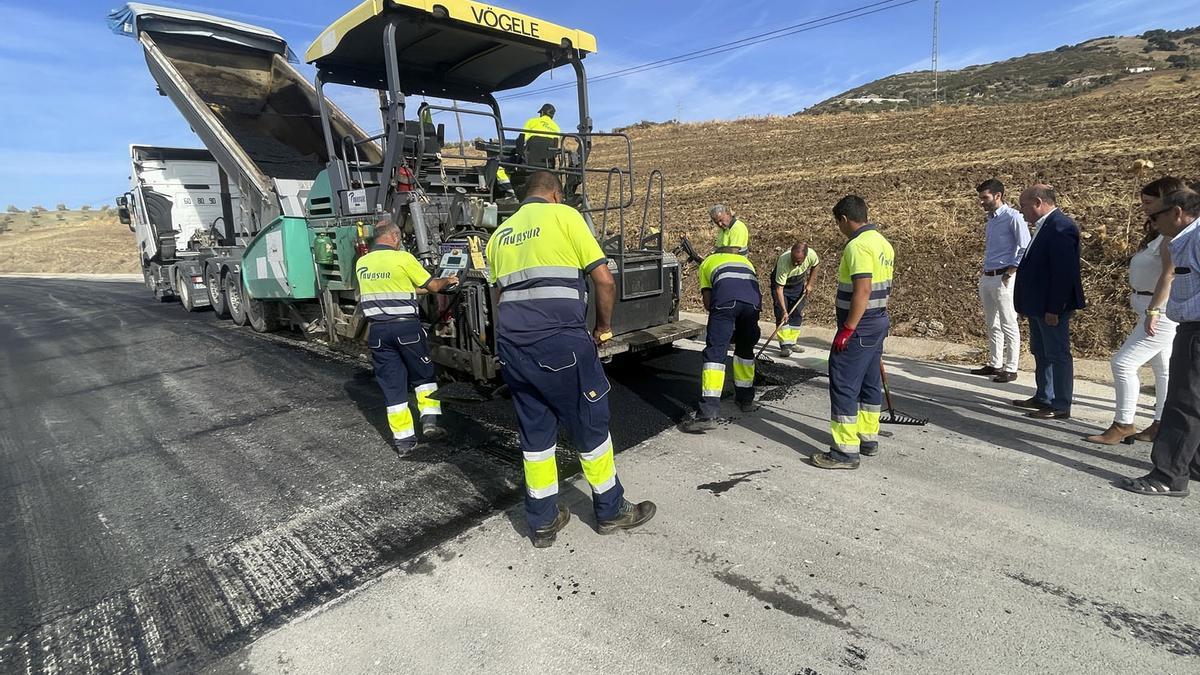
508	238
364	273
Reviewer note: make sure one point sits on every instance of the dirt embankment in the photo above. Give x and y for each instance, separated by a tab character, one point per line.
81	242
918	170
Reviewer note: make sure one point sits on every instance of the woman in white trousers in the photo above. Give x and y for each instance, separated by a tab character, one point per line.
1150	273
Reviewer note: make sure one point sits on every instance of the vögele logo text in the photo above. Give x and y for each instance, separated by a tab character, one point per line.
505	22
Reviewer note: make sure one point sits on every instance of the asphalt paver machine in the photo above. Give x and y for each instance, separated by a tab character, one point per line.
299	267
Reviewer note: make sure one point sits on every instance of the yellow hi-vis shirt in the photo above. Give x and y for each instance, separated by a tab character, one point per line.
867	254
789	275
539	259
541	123
738	235
387	284
729	277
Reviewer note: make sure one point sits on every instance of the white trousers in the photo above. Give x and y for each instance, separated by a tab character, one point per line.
1137	350
1000	319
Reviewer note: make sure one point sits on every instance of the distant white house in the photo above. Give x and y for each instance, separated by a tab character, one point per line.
1141	69
873	99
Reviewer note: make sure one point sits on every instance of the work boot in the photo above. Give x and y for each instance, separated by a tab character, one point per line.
629	516
543	537
868	448
404	447
431	430
824	460
785	350
1005	377
1115	433
986	370
748	406
1148	434
698	425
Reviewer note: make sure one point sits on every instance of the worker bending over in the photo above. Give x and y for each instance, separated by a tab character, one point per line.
729	288
732	234
389	281
790	286
864	285
538	261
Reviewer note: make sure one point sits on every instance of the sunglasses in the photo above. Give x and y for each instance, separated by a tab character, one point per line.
1154	216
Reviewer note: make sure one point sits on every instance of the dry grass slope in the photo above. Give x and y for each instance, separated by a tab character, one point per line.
81	242
918	169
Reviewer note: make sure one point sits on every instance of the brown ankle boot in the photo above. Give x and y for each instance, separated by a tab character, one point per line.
1116	433
1149	434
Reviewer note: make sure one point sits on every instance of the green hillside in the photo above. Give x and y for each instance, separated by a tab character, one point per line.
1067	71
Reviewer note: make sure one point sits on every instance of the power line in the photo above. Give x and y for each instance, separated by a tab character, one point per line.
811	24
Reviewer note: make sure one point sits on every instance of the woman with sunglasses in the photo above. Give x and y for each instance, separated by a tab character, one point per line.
1150	275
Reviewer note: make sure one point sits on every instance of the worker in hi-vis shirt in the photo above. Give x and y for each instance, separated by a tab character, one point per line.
539	261
732	234
389	281
790	285
855	378
729	288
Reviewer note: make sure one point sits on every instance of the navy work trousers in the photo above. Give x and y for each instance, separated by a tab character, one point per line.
559	380
400	354
856	389
735	322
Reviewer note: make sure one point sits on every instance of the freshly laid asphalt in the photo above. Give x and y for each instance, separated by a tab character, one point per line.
179	494
172	485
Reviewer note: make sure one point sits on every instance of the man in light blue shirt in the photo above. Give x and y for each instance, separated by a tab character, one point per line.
1175	450
1005	241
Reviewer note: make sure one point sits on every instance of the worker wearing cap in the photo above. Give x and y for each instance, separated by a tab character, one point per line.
543	122
732	234
389	281
791	284
855	379
729	289
539	262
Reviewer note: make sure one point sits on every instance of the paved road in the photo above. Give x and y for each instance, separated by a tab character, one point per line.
985	542
171	485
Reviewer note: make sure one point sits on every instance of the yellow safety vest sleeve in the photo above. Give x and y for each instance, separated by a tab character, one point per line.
738	235
541	123
784	269
387	283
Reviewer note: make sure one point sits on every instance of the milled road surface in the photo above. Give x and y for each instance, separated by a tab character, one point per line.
171	485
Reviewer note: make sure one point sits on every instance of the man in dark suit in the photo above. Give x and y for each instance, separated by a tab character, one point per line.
1048	292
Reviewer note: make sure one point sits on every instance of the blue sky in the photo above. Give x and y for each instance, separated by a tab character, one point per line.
76	95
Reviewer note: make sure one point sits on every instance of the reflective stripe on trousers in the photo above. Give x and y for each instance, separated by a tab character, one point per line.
400	420
425	404
541	473
712	380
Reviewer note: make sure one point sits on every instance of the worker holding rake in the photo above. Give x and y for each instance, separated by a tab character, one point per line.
855	378
790	286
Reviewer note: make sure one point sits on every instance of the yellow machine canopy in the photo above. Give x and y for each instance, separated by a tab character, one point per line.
456	49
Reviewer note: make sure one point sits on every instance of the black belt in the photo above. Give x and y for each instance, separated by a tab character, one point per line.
1143	292
995	273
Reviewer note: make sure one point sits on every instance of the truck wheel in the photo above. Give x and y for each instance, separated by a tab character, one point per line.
234	297
261	316
216	291
186	294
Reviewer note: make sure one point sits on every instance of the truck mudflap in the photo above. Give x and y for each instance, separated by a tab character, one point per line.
655	336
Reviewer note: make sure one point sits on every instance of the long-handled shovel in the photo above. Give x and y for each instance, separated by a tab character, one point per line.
759	356
891	415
